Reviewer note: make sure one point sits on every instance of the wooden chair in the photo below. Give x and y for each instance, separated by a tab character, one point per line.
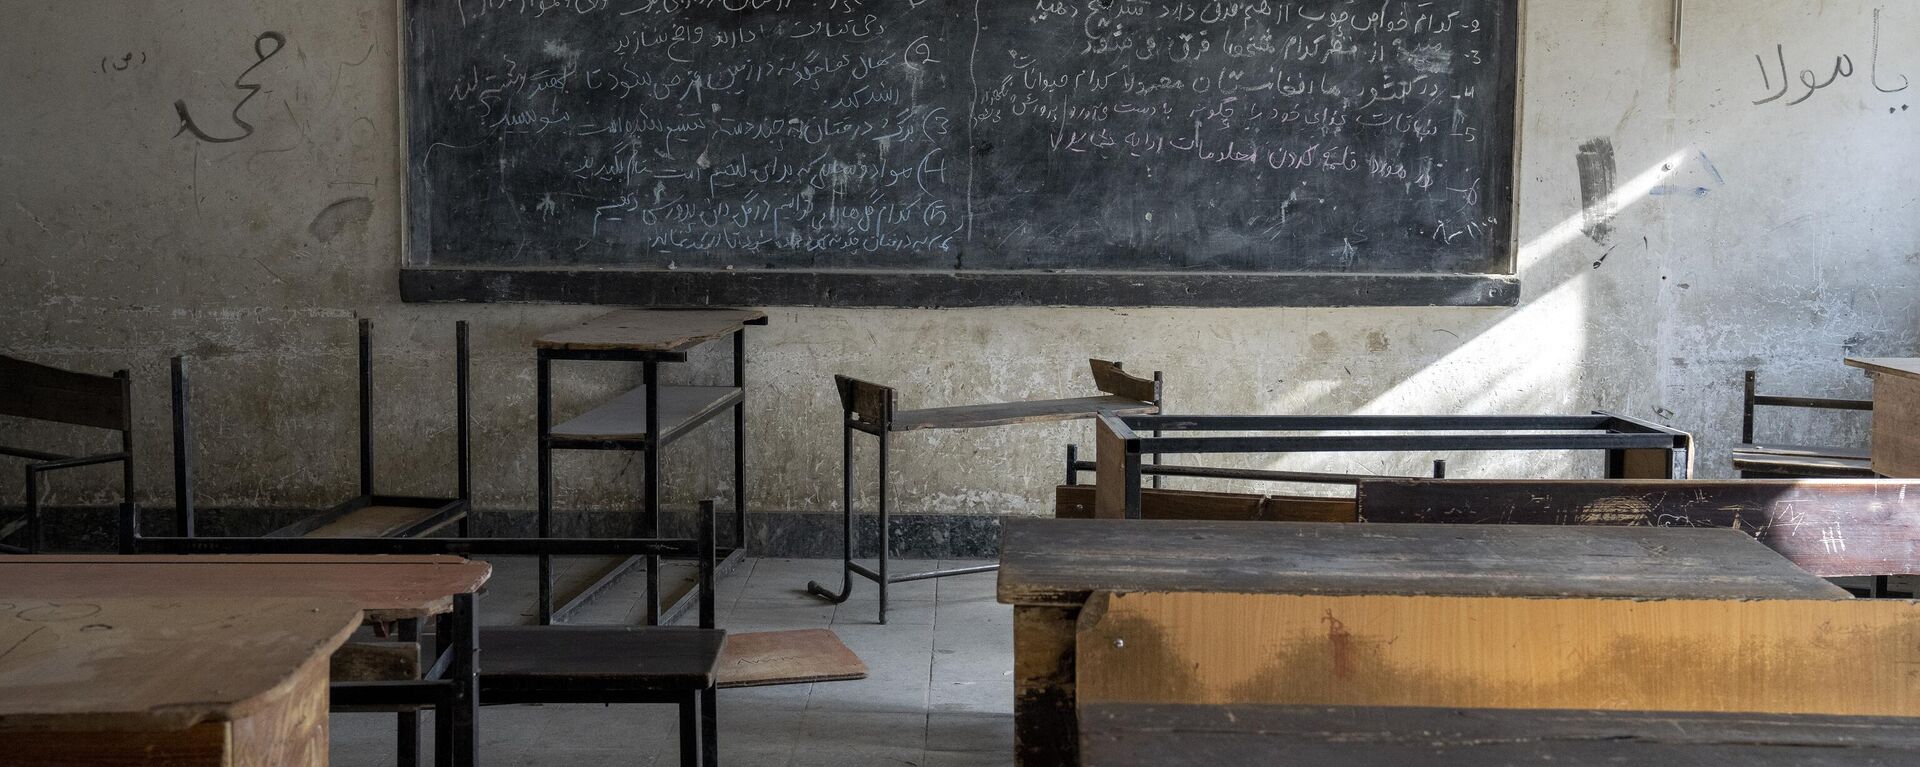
1757	460
368	514
41	393
872	409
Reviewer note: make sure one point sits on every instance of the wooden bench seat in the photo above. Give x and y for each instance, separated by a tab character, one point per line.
536	663
625	417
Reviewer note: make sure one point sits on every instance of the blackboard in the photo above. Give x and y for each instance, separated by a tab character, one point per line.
870	151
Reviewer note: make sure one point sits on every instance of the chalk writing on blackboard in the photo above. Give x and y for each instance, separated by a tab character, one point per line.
1224	135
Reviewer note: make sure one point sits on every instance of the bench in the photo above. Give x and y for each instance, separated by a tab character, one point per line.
1763	460
51	395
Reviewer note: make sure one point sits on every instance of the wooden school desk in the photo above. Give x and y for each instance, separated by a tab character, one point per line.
1051	569
403	590
1896	414
238	682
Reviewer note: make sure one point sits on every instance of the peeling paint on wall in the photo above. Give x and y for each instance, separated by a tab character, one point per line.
1599	174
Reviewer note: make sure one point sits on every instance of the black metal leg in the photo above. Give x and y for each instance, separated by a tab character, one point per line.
407	733
884	531
846	527
710	725
650	519
690	739
740	440
34	542
456	742
544	404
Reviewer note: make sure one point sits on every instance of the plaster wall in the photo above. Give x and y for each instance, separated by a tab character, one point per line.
1741	235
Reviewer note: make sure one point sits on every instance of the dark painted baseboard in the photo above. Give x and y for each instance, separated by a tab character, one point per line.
769	534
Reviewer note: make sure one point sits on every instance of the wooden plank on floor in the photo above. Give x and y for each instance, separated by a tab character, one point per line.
768	658
1780	656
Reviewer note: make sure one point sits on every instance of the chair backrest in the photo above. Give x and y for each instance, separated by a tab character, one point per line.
1754	399
44	393
1109	378
868	403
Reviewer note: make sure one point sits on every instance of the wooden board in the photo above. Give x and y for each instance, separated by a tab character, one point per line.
141	664
650	330
1112	475
768	658
32	390
1784	656
1907	367
1134	735
1077	502
1061	562
386	587
1896	426
376	522
1012	413
625	417
1831	528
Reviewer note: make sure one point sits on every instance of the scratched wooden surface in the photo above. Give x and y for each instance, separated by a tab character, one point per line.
1831	528
1132	735
386	587
766	658
1060	562
140	664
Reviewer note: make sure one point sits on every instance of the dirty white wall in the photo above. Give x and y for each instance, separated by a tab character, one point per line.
1776	236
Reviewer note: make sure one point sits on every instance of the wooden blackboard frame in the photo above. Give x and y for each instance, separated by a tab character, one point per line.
950	290
422	282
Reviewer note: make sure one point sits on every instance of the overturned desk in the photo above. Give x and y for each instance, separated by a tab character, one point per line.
646	420
1632	449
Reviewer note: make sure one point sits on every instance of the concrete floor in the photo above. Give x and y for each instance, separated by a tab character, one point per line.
940	693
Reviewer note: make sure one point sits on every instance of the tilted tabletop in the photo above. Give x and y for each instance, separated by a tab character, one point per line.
148	664
651	330
1908	367
1061	562
384	587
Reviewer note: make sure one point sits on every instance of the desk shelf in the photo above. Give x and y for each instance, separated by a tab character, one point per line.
1012	413
623	419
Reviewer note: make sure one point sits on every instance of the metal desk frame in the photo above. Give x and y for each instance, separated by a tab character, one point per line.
650	446
1618	436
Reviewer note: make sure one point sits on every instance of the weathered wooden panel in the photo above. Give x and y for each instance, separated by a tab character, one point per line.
32	390
1793	656
1061	562
1130	735
1831	528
